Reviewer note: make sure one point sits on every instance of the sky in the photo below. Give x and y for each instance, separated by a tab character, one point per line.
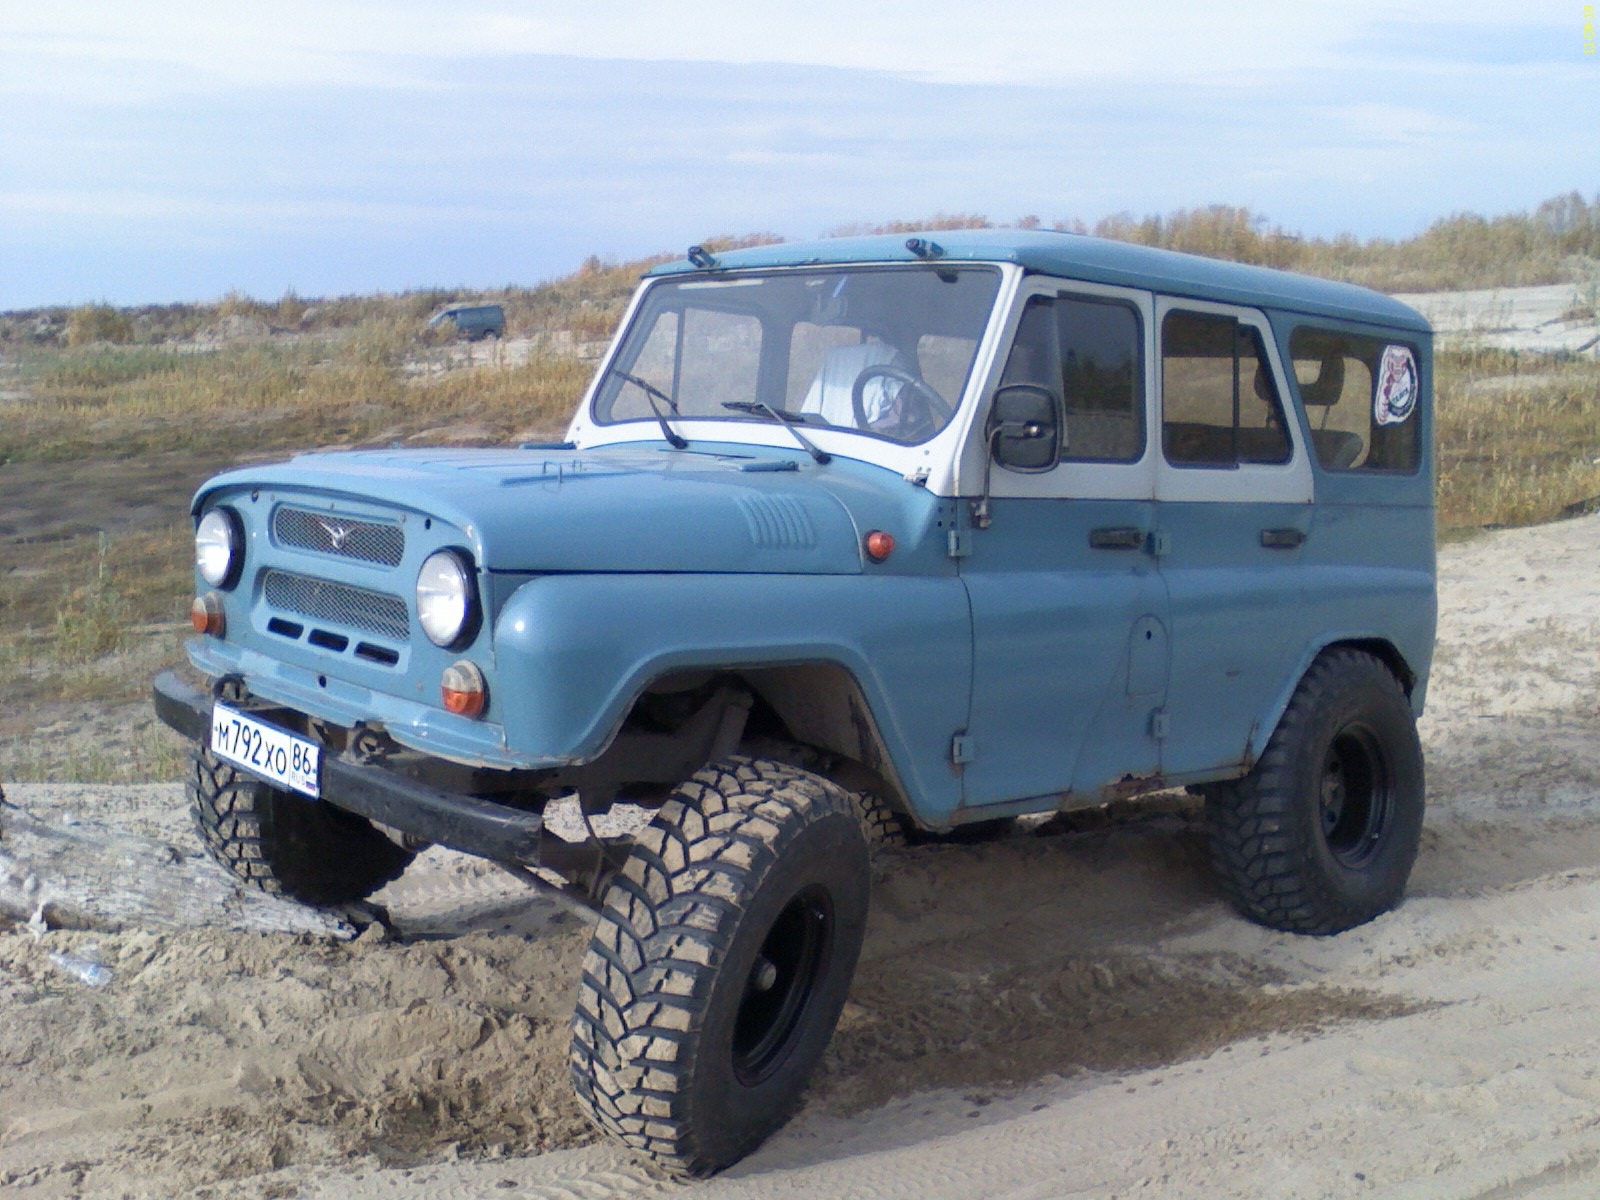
177	150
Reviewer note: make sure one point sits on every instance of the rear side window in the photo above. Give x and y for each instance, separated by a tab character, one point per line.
1219	405
1360	396
1088	351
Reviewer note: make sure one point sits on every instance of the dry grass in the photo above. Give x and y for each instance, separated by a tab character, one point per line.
84	404
1517	443
161	757
87	720
1559	240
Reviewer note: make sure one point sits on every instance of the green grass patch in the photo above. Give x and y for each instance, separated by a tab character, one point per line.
87	369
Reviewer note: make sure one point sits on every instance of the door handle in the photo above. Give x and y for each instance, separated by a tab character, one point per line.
1122	537
1283	539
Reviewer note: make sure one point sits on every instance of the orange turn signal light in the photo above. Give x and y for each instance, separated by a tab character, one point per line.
205	614
879	545
463	690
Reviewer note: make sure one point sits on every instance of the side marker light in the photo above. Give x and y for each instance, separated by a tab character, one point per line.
879	545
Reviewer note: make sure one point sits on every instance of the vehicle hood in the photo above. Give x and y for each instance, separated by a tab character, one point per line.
626	509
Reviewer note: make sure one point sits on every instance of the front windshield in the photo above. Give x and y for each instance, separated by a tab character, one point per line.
880	350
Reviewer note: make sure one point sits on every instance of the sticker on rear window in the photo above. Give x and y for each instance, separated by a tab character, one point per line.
1395	395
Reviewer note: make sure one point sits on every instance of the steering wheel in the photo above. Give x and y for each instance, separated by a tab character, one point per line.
915	422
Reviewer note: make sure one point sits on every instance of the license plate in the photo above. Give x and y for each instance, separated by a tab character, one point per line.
263	750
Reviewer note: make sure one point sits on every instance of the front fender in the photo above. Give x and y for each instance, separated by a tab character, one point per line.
573	653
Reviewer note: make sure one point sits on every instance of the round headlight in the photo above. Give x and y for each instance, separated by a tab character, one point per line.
444	597
219	547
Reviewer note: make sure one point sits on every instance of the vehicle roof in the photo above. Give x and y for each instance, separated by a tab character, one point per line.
1094	260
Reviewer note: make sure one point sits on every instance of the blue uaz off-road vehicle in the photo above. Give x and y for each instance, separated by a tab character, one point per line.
846	539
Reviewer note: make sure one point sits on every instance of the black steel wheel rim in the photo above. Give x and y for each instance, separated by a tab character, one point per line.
779	987
1357	796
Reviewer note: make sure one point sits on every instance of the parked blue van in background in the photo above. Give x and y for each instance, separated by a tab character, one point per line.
846	539
474	322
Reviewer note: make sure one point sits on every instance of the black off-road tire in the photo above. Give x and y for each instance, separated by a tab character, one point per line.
720	962
285	844
1322	834
882	826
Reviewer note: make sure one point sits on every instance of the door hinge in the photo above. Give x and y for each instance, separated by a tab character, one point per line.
962	749
1160	723
960	543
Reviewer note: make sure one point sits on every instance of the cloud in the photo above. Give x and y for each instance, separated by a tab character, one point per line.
181	149
1393	124
198	44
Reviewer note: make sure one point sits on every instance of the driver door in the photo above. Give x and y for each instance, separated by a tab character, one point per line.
1068	606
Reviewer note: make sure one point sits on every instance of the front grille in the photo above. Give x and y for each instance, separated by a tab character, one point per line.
369	541
338	604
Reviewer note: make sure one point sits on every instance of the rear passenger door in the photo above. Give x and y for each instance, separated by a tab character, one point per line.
1233	488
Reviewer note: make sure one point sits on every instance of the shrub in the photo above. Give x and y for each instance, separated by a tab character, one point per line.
92	621
98	323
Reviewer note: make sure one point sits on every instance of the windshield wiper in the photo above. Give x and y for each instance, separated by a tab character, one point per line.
790	421
652	393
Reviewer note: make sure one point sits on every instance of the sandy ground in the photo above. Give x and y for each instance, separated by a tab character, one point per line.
1065	1011
1560	318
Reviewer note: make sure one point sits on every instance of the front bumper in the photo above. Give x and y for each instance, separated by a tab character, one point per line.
459	821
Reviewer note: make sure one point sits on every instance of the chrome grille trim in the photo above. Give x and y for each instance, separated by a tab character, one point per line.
368	541
338	604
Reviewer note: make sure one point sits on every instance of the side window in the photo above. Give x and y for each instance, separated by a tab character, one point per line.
1359	395
1087	351
1219	406
1102	380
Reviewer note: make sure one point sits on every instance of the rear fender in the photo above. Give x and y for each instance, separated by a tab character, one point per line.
1414	682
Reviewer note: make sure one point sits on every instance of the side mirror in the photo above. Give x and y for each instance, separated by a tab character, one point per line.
1026	428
